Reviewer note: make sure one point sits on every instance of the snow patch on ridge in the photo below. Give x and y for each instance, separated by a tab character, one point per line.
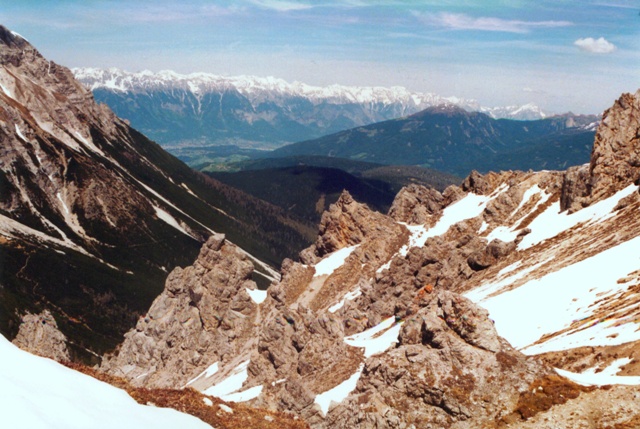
349	296
607	376
555	301
6	91
377	339
165	216
470	206
211	370
338	393
335	260
258	296
20	134
228	389
552	222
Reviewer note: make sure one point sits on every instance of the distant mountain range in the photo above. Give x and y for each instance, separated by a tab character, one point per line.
204	109
450	139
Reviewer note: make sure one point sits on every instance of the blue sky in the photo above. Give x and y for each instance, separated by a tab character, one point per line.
562	55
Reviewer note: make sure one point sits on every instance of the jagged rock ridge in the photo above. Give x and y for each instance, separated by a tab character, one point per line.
379	317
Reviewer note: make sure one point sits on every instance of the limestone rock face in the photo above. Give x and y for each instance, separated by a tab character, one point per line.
345	224
448	368
204	315
416	204
39	335
615	158
375	308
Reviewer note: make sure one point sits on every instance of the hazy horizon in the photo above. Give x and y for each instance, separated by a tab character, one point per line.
562	56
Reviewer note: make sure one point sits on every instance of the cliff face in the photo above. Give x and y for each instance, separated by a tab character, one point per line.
615	157
205	314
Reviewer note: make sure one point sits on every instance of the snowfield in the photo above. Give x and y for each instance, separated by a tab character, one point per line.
39	393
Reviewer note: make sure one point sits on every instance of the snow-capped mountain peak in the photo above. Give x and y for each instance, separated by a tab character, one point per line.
256	88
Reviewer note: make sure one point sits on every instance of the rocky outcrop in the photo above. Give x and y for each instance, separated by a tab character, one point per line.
346	223
615	157
39	335
204	315
448	369
416	204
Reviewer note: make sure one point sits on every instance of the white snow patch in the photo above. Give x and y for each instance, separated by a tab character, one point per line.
22	135
64	205
485	290
551	222
89	144
165	216
528	194
503	233
274	275
245	395
552	303
208	402
212	369
18	35
6	91
258	296
349	296
188	190
282	380
230	384
58	133
226	408
37	392
377	339
483	227
334	261
338	393
468	207
13	229
508	234
607	376
509	268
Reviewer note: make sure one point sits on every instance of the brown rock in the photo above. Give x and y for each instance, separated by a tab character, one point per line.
615	157
415	204
449	367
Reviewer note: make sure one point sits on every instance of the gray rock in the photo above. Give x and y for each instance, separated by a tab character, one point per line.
39	334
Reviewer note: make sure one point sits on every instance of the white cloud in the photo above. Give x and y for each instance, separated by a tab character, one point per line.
461	21
596	46
281	5
533	91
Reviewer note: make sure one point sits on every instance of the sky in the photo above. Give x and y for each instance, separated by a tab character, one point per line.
564	56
